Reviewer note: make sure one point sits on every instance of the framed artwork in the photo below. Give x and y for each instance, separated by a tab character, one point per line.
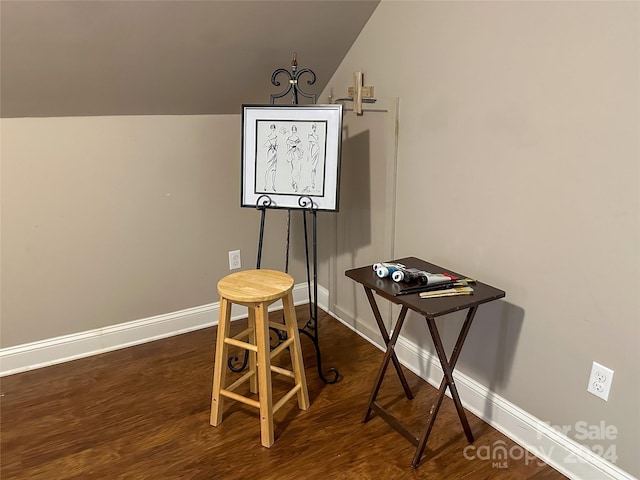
291	156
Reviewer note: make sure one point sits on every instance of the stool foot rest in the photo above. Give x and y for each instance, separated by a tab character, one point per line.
283	371
280	348
240	381
240	398
279	326
245	333
238	343
286	397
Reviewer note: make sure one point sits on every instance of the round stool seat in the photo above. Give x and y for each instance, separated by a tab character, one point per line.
253	286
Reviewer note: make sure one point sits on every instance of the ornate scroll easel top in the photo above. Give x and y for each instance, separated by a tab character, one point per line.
292	78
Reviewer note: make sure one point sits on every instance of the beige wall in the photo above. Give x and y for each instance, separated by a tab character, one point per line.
518	164
112	219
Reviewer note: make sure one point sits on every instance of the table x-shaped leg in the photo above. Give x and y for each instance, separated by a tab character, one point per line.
390	353
448	366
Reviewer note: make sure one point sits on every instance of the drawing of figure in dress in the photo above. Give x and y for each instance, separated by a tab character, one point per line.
272	159
294	155
314	151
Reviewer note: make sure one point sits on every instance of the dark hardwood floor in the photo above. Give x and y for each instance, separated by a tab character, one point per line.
143	413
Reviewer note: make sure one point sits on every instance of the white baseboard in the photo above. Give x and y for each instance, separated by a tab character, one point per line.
51	351
562	453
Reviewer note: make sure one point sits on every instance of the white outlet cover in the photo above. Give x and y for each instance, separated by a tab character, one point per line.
600	381
234	260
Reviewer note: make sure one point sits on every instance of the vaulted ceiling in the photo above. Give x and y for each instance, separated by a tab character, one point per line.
160	57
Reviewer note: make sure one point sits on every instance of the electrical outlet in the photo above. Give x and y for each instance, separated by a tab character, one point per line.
600	381
234	260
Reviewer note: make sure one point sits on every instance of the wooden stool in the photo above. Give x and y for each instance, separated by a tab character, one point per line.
257	289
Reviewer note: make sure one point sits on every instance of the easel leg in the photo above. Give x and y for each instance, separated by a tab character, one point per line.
311	327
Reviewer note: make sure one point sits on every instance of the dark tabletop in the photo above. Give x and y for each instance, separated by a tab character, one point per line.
429	307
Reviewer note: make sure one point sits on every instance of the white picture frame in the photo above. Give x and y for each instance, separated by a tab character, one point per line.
291	156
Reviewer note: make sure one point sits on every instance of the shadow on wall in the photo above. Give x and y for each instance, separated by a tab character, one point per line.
353	224
354	215
355	193
488	353
489	349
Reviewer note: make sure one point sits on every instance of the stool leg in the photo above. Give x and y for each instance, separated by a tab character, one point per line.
296	350
264	374
220	366
253	381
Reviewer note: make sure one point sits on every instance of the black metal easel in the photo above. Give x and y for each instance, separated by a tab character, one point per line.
307	206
